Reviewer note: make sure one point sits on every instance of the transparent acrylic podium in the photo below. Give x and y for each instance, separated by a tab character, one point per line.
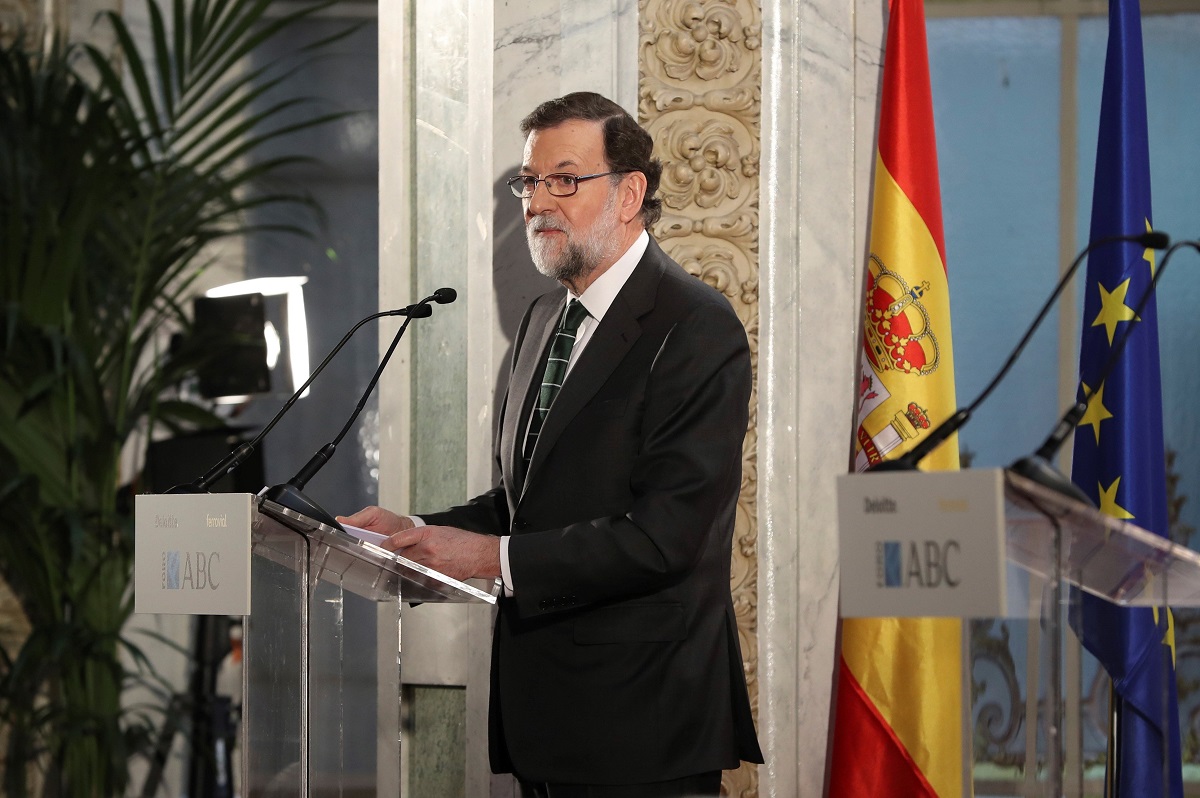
1052	550
320	600
1051	535
1048	533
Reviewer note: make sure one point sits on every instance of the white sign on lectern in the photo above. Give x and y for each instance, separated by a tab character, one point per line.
192	554
917	544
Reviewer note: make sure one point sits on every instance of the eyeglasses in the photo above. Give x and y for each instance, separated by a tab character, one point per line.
560	185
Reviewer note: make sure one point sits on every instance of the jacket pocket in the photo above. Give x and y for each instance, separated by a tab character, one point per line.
632	623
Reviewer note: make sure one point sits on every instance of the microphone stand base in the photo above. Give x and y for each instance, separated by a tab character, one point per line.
1039	469
291	497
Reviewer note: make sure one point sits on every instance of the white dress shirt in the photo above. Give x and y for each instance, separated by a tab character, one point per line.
596	299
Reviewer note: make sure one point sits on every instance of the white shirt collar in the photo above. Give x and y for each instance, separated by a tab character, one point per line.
598	297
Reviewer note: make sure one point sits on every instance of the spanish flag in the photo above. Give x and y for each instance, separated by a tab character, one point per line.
898	723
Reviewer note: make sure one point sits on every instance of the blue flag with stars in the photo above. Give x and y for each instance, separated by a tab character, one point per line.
1118	458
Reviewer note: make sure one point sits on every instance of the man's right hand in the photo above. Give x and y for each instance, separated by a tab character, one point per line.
377	519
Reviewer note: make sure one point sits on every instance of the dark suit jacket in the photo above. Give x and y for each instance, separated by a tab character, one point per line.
617	659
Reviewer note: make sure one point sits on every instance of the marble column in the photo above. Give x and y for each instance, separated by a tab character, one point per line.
821	62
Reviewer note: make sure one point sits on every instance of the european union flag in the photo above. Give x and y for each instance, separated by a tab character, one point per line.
1119	442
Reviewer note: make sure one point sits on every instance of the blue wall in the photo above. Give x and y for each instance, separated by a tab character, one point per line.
996	107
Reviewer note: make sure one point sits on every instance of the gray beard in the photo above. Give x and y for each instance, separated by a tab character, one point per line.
568	267
580	257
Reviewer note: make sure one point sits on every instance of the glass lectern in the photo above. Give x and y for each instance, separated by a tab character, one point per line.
992	545
303	663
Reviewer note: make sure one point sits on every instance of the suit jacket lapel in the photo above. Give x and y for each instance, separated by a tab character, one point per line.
608	345
526	380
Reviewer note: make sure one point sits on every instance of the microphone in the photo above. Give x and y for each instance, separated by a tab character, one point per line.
908	462
1038	466
236	457
290	494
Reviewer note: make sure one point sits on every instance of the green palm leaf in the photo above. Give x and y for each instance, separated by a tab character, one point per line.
112	191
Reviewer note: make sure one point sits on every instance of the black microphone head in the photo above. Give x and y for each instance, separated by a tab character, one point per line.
420	311
1154	239
1038	469
444	296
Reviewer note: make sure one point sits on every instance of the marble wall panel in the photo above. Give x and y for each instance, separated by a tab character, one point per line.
821	67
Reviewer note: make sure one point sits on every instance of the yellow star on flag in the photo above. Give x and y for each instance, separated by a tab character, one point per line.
1108	501
1148	255
1096	411
1168	638
1113	310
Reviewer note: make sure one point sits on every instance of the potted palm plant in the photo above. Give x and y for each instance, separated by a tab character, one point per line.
118	172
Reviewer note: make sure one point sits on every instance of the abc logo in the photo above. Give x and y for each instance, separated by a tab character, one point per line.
190	570
923	564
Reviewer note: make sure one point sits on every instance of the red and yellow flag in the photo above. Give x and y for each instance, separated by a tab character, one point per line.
898	725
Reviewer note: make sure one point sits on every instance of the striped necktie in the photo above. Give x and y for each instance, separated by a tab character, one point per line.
556	370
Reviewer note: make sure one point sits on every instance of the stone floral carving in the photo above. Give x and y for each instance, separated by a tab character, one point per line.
700	96
714	264
702	162
707	40
739	228
736	101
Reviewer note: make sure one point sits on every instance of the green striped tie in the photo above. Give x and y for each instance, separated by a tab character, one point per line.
556	370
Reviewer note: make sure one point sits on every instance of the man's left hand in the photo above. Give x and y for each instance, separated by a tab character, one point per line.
455	552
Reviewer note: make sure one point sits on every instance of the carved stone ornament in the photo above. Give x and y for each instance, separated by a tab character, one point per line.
700	96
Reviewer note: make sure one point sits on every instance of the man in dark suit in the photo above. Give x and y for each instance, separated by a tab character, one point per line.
616	669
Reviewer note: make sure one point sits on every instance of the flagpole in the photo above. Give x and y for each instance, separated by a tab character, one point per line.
1112	761
1054	632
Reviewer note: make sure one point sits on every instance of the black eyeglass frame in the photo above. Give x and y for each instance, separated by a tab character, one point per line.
516	184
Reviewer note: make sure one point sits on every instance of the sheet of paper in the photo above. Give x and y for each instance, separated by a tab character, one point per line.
365	534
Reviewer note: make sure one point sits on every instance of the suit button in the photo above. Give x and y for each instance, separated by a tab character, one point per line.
520	523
